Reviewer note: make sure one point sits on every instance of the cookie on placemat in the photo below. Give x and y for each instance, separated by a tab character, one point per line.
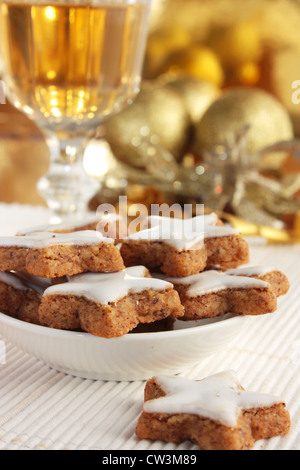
110	304
48	254
181	247
213	293
216	413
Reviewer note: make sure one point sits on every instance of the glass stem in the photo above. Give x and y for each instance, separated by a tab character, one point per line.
66	187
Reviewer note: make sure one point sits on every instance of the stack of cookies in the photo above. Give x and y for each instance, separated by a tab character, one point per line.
78	278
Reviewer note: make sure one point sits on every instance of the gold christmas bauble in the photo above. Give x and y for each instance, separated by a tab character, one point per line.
197	61
198	94
160	46
268	121
237	44
158	115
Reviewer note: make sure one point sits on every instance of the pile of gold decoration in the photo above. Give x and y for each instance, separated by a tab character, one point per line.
214	122
234	151
228	43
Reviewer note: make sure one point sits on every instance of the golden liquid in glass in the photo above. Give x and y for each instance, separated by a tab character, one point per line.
72	63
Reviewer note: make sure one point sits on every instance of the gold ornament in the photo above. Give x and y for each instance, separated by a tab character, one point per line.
197	61
162	44
158	115
246	192
237	44
268	121
248	73
198	94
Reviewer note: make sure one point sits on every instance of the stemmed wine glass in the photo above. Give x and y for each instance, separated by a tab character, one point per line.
68	65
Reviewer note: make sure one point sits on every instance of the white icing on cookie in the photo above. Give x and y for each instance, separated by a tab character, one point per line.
211	229
44	239
39	284
12	280
109	287
250	271
24	282
182	233
211	281
70	226
219	397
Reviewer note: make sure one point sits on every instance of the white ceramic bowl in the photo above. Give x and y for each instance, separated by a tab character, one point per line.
135	356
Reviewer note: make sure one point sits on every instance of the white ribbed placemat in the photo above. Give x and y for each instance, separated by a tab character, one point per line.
44	409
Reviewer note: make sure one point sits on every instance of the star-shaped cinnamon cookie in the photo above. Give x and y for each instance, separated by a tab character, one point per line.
182	247
109	304
242	291
49	254
216	412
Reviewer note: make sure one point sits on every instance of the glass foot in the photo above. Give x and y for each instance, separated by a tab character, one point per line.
66	187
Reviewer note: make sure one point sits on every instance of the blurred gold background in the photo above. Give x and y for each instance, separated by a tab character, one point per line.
225	43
